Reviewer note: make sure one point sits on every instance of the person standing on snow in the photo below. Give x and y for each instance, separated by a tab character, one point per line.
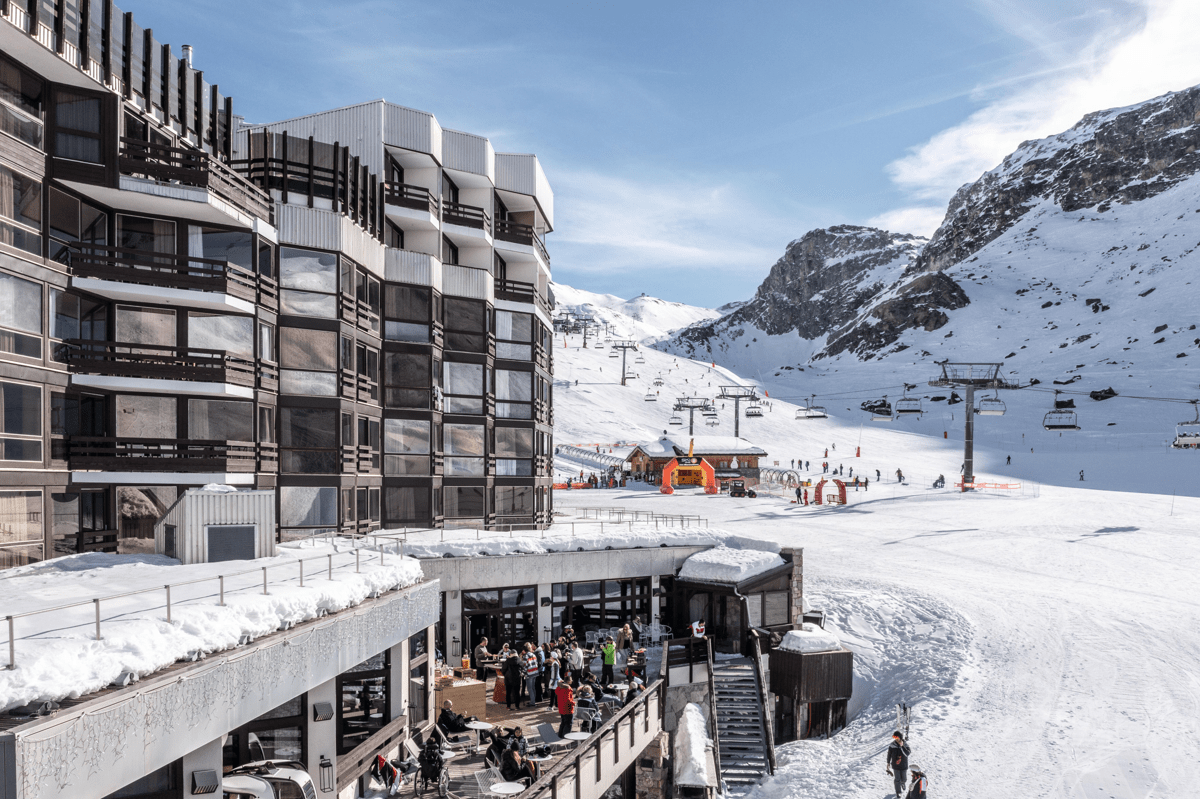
919	783
897	762
1008	461
876	475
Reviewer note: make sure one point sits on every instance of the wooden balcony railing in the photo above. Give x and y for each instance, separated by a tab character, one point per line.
520	233
406	196
158	361
163	454
194	168
520	291
165	270
466	216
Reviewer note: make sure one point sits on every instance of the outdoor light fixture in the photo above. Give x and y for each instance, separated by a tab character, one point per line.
322	711
204	782
657	591
545	601
326	775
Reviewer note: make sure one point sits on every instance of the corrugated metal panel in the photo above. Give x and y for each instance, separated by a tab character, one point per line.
197	509
522	173
412	130
359	127
467	152
403	266
327	230
463	281
361	246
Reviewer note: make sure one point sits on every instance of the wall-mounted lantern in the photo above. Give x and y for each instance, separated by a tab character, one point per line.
326	769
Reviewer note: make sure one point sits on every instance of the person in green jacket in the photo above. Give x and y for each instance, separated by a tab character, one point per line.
609	652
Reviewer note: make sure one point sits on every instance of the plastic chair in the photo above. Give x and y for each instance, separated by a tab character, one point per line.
550	737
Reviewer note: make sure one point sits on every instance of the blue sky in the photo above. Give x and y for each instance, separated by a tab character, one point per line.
689	142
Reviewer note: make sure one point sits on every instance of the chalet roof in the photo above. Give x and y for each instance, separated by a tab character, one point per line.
666	447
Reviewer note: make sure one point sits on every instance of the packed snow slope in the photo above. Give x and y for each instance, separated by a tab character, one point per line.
1047	645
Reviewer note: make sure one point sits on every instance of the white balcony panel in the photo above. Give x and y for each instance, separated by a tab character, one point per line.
158	295
412	130
403	266
146	385
162	479
141	196
522	173
359	127
463	281
302	226
411	218
467	152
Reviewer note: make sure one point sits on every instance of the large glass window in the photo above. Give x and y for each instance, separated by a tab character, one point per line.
407	505
308	440
277	734
142	416
234	246
146	235
308	506
514	394
72	220
514	332
20	315
308	361
514	500
21	416
599	604
220	420
145	326
466	324
232	334
514	451
407	312
20	103
465	502
75	516
309	283
407	378
464	447
20	517
77	119
406	446
365	705
20	211
463	386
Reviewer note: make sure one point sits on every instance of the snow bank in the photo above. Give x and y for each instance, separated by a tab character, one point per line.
639	536
58	657
691	748
809	638
724	564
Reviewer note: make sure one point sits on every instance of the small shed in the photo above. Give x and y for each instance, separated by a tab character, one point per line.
217	523
812	676
732	590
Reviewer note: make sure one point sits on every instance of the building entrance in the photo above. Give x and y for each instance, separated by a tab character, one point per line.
503	616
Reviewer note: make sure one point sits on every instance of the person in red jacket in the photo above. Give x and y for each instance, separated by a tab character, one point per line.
566	707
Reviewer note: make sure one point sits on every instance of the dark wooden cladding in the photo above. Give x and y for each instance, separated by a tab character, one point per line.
192	167
520	233
404	195
102	262
466	216
520	291
159	361
21	155
302	167
812	677
166	454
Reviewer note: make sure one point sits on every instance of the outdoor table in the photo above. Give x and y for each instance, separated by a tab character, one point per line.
538	758
507	788
479	727
577	736
621	687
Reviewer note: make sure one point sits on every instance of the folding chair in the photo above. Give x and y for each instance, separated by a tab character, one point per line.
456	746
550	737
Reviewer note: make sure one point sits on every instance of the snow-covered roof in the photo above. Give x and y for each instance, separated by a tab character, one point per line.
809	638
636	535
701	445
725	564
692	745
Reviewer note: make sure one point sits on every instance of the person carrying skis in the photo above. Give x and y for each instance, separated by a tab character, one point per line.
897	762
919	783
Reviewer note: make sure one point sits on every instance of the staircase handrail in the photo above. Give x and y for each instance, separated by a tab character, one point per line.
712	714
768	727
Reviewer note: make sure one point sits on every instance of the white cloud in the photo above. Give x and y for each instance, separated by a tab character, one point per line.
1121	67
921	220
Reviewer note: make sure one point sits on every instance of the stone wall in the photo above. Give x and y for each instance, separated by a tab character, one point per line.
797	584
650	772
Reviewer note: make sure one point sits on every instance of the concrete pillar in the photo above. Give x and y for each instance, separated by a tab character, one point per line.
206	758
797	585
454	650
431	675
650	770
545	615
654	600
322	735
400	667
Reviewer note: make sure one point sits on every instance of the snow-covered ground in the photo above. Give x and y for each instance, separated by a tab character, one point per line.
1046	638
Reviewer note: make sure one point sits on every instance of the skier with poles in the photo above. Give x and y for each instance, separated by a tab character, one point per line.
897	762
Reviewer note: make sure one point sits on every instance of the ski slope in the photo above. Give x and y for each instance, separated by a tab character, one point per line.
1046	639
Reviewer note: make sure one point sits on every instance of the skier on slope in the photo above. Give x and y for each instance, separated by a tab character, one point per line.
897	762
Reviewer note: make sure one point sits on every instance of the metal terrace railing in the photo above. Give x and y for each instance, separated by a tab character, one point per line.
520	233
278	574
521	291
159	361
190	167
166	454
466	215
405	195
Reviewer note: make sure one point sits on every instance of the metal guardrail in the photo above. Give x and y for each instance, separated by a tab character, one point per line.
760	683
267	581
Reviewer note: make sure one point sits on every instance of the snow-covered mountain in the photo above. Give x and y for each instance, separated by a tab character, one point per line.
1073	255
642	318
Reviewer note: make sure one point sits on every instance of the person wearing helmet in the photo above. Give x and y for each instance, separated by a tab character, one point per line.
919	783
897	762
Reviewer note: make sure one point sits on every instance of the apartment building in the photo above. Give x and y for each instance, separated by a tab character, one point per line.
349	308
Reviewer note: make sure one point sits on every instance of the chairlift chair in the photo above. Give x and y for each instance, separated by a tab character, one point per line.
658	381
675	421
1061	417
712	421
908	406
709	412
613	354
991	406
639	359
753	410
651	396
880	409
813	411
1187	434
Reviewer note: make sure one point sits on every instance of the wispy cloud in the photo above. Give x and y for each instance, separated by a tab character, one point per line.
1123	65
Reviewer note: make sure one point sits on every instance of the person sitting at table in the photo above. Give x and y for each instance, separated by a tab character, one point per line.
515	768
587	710
518	741
497	746
452	722
635	690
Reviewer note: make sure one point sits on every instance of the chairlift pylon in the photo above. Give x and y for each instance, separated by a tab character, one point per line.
1061	417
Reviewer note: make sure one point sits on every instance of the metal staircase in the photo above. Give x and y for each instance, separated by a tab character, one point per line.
740	724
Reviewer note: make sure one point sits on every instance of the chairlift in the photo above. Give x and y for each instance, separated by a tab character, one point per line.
675	421
753	410
651	396
658	381
880	409
639	359
813	411
710	413
1187	434
908	406
712	421
991	406
1062	417
613	354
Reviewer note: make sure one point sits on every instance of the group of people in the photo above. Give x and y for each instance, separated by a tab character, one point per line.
898	769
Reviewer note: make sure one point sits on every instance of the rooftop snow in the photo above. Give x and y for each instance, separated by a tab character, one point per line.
809	638
691	748
639	535
724	564
702	445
